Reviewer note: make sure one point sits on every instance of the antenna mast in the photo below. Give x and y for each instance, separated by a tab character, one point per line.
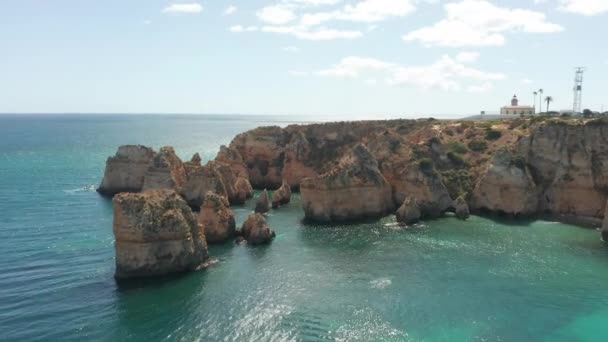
578	90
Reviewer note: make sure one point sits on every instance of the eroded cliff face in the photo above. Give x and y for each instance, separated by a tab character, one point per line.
199	181
155	234
166	171
216	219
569	163
354	189
125	171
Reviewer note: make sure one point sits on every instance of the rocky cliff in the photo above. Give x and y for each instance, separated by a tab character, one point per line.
156	233
125	171
354	189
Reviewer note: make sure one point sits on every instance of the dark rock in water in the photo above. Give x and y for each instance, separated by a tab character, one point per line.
256	231
125	171
462	208
262	203
605	224
216	218
156	233
166	171
409	212
354	189
281	196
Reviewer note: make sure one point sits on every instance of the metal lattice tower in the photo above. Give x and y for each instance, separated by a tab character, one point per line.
578	90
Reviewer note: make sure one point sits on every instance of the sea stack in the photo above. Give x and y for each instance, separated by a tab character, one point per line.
354	189
281	196
461	208
216	218
199	181
256	231
156	234
125	170
262	203
166	171
409	212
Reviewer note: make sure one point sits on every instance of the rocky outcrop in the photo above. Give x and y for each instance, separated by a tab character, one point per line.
256	231
243	188
409	212
232	157
298	158
216	219
196	159
166	171
125	171
569	164
506	187
229	178
605	224
262	152
262	203
426	186
156	233
200	180
352	190
461	208
281	196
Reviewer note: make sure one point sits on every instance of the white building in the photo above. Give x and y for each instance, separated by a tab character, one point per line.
516	109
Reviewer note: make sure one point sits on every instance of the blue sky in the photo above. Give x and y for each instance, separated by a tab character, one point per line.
331	58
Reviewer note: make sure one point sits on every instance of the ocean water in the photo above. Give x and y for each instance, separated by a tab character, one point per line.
486	279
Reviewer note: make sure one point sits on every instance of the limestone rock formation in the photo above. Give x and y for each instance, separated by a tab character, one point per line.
298	160
281	196
461	208
243	188
216	218
427	187
229	178
256	231
353	190
262	203
262	153
125	171
196	159
199	181
506	187
409	212
233	158
156	233
166	171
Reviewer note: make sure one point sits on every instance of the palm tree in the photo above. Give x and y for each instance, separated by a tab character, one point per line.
540	100
535	93
548	99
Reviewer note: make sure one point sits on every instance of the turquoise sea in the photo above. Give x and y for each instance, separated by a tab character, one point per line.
486	279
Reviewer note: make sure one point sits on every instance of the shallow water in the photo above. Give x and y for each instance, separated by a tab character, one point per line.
444	280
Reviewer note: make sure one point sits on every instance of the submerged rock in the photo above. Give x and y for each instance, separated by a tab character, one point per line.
156	233
125	171
216	218
352	190
256	231
461	208
262	203
166	171
409	212
281	196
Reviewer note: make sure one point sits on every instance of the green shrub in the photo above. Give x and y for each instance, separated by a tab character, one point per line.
417	153
458	182
456	159
478	145
457	147
434	140
492	134
426	165
449	132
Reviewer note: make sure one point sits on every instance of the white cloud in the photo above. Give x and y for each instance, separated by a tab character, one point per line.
290	49
467	57
230	10
446	73
584	7
239	29
480	23
480	88
276	15
316	34
526	81
188	8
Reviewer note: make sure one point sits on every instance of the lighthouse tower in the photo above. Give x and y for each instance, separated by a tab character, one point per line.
514	101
